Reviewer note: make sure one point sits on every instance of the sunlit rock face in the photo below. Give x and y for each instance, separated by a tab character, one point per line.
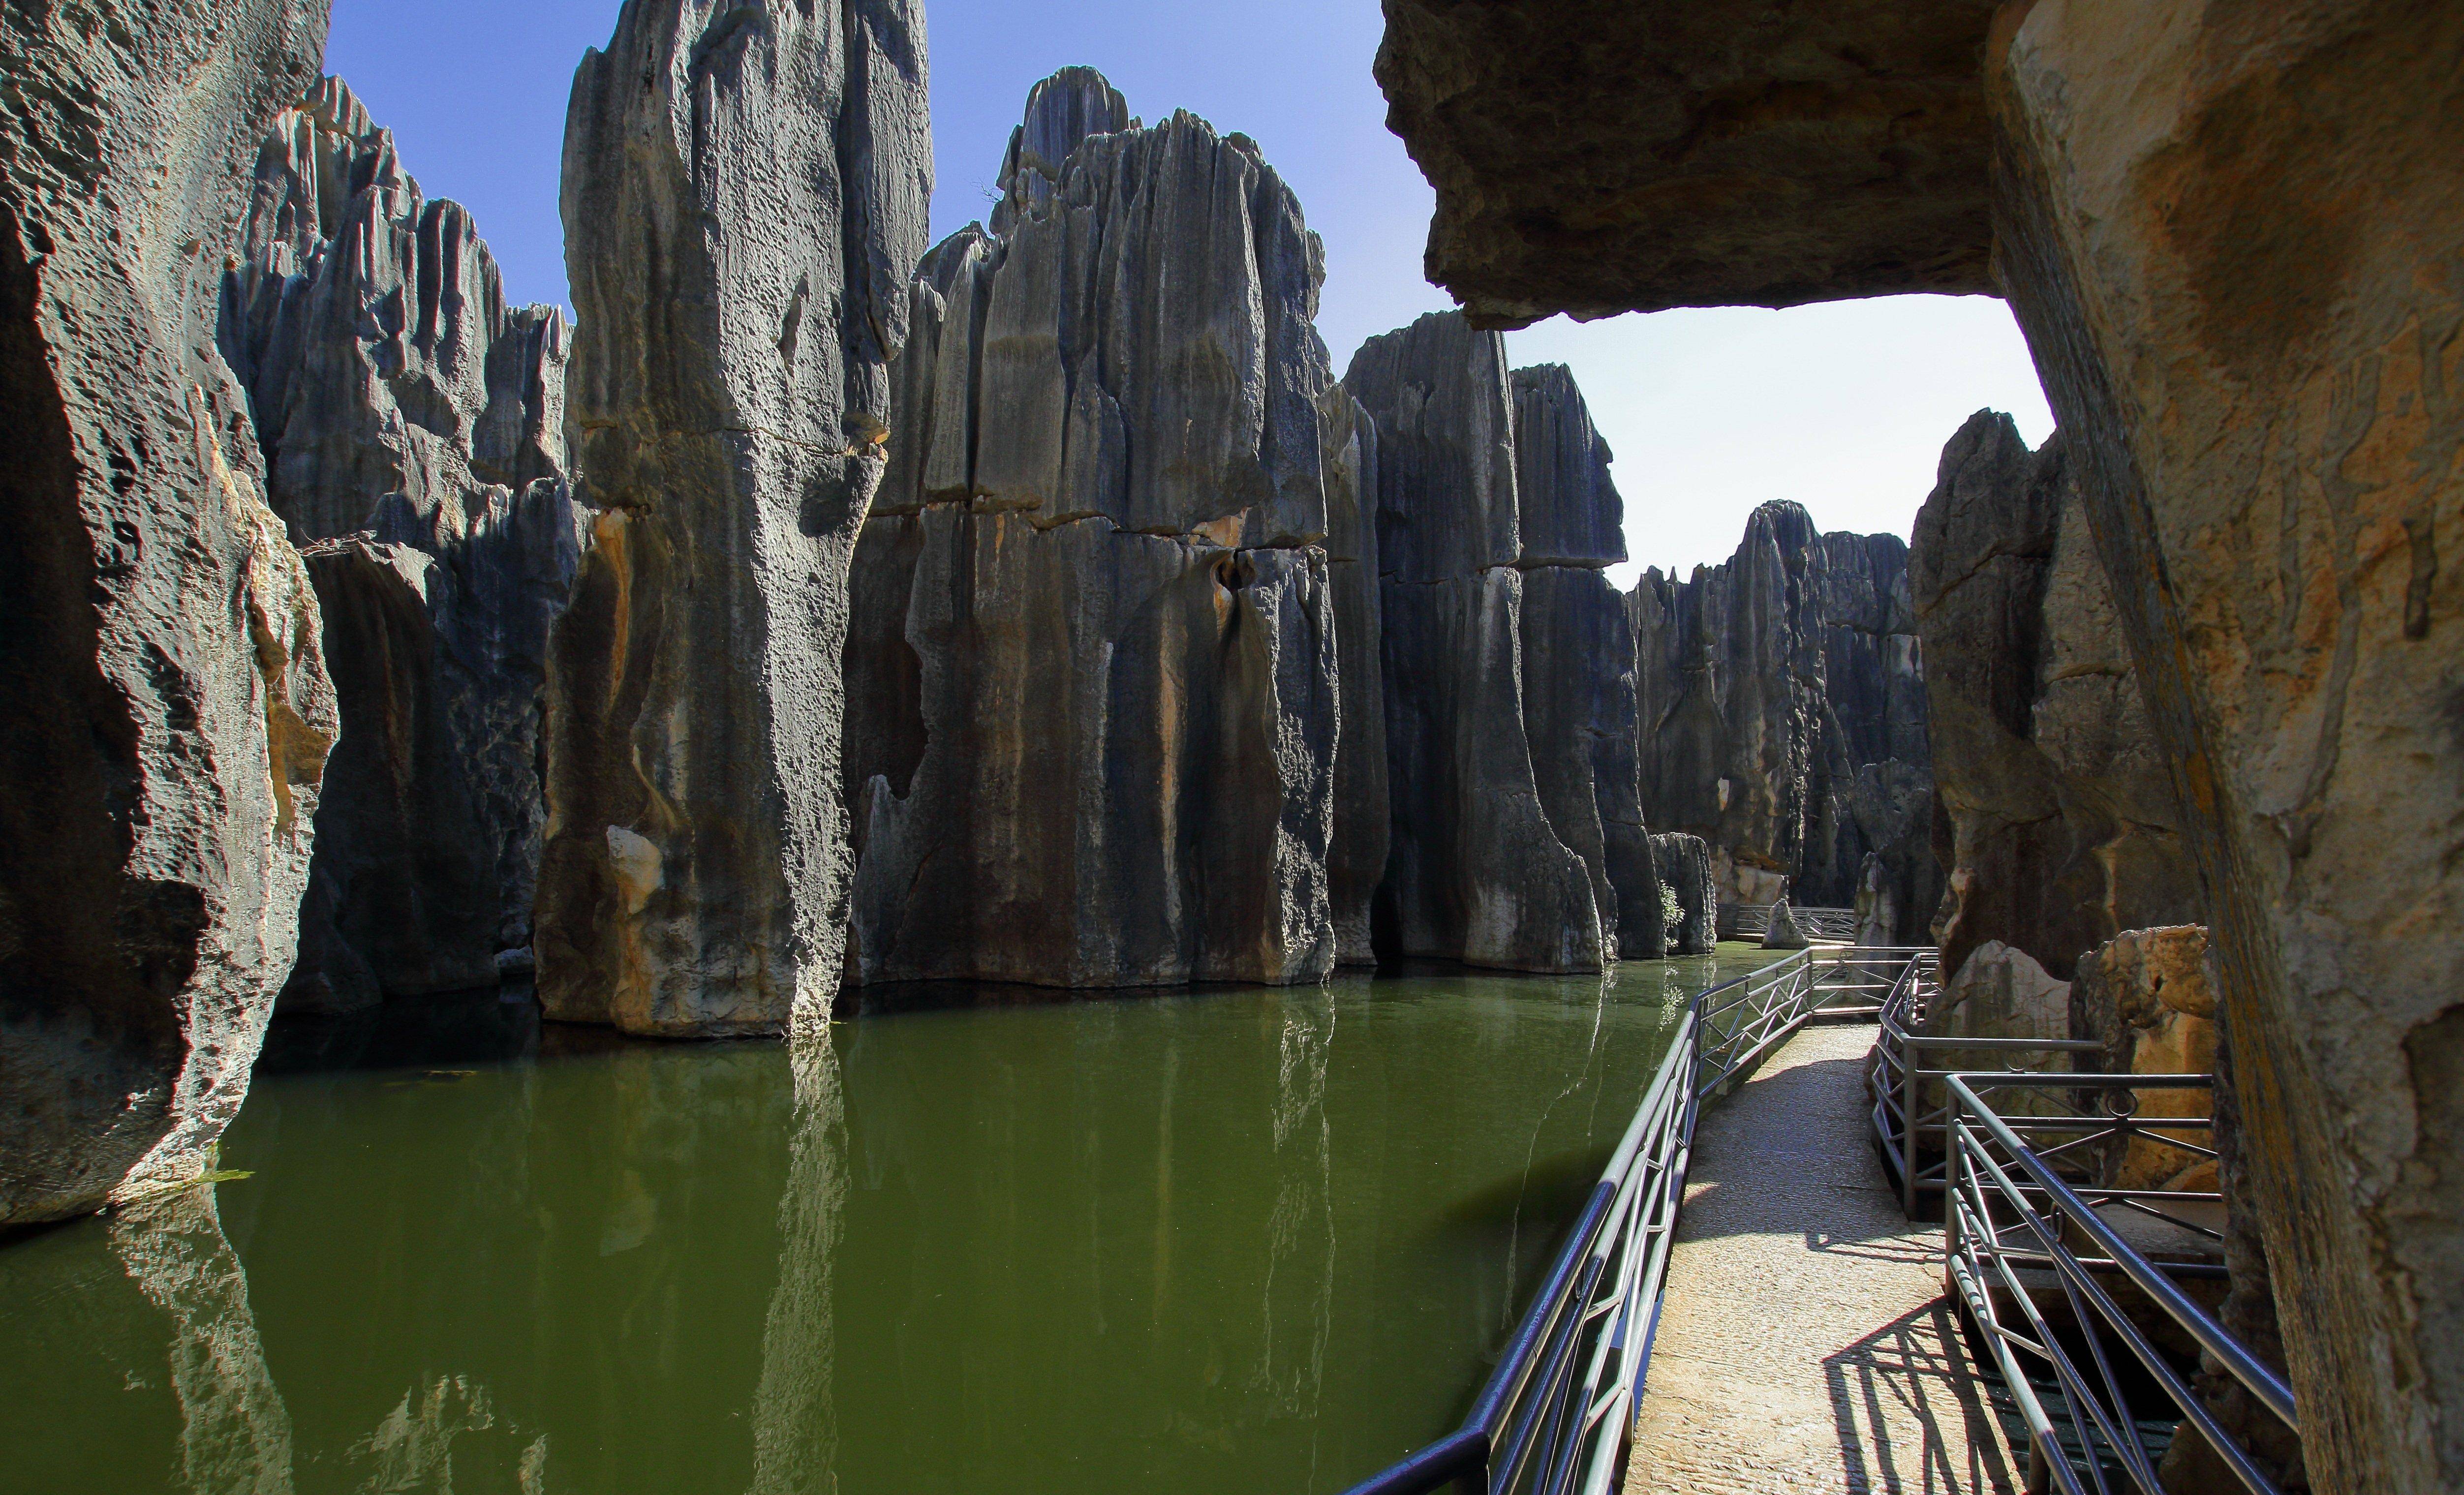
1508	679
169	712
744	196
2230	238
2056	805
412	426
1095	702
1781	717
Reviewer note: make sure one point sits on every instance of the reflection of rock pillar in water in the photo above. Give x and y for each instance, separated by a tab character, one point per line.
235	1434
1300	1273
794	1427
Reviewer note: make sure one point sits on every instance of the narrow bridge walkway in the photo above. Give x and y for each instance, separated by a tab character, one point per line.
1804	1344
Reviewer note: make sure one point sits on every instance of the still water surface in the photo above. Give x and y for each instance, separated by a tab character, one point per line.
1240	1241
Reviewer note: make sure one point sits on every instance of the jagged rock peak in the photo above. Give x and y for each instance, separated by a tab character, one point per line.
1140	346
320	154
1446	502
1569	508
1061	111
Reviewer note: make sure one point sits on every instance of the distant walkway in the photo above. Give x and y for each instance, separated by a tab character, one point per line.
1804	1344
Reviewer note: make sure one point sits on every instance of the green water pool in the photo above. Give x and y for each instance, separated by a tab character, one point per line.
1239	1240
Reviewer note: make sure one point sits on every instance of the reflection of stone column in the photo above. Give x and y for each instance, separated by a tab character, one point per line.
795	1425
1300	1271
235	1434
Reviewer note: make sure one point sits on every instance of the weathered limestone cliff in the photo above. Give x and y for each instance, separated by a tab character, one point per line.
1781	717
413	431
1483	588
745	194
168	713
2058	823
2231	236
1094	696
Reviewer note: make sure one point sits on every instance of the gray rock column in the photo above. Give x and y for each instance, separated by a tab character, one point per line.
1475	870
1094	699
745	190
413	426
168	713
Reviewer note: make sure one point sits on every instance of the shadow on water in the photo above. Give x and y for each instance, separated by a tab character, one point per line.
1217	1240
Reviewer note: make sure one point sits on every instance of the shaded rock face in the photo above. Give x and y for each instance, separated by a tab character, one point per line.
1684	866
170	712
1578	684
1505	681
2058	823
2263	422
744	195
1781	717
413	429
1630	155
1094	703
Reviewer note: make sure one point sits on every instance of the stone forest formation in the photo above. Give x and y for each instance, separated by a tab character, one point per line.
819	609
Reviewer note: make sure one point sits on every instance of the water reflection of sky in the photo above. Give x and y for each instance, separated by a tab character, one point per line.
1240	1240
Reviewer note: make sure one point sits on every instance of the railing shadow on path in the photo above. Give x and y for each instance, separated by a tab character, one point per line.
1912	1371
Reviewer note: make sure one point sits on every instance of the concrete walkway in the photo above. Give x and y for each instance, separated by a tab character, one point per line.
1805	1344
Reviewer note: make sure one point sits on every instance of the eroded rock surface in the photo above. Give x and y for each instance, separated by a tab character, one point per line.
413	429
1476	870
1629	155
1578	678
1094	693
169	708
1781	717
2061	821
744	197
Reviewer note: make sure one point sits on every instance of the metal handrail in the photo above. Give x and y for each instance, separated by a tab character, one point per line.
1753	921
1895	1077
1552	1417
1999	1186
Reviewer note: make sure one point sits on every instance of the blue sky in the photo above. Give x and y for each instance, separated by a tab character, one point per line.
1842	407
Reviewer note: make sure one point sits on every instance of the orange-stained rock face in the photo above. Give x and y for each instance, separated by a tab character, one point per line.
2237	247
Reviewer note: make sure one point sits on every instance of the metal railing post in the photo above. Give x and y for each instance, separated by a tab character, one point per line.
1910	1091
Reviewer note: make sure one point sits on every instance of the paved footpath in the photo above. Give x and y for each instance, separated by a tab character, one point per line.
1804	1344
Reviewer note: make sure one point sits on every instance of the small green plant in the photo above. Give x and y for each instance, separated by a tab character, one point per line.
1671	917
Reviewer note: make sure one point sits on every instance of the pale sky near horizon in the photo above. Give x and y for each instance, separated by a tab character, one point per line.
1843	408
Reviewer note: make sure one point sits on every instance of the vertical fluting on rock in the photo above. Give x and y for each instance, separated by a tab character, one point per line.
1356	856
1093	694
1578	675
2058	816
1475	870
413	431
745	188
168	708
1780	711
